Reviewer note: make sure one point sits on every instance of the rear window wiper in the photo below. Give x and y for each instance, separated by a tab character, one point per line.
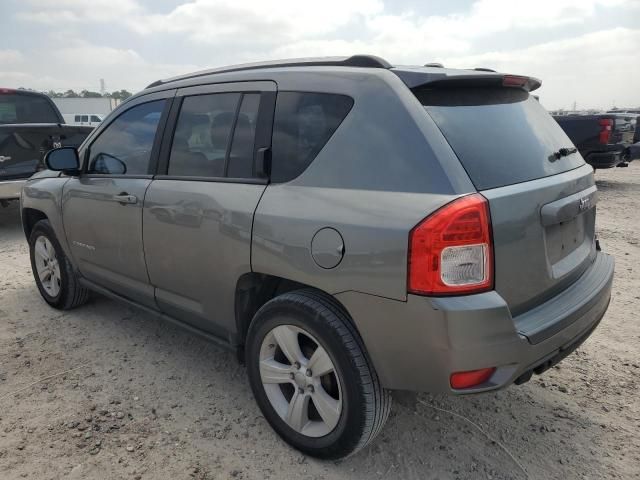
563	152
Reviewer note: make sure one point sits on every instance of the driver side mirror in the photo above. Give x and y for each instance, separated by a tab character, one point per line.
63	160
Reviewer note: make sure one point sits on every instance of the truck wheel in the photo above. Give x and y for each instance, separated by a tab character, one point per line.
54	275
311	376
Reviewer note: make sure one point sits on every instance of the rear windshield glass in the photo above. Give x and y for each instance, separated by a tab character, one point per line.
502	136
15	108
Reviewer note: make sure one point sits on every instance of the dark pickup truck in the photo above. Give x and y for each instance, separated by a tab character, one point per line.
603	140
30	126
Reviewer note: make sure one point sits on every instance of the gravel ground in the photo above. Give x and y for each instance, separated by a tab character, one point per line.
143	399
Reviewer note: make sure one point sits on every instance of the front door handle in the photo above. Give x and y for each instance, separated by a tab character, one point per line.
125	198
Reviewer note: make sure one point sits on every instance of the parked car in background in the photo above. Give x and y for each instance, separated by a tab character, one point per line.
632	152
346	226
30	126
628	110
601	139
91	119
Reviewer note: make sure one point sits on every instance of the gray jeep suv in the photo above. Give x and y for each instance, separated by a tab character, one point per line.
348	227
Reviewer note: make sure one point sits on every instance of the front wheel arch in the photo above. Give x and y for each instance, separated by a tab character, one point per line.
31	216
71	294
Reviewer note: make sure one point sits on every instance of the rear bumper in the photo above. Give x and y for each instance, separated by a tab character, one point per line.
10	189
632	152
417	344
604	159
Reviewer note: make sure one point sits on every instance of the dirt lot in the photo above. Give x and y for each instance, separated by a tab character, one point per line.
144	399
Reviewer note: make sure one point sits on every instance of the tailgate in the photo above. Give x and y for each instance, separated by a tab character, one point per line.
541	194
22	147
543	234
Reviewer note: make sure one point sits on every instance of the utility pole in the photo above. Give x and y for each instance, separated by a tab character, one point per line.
102	87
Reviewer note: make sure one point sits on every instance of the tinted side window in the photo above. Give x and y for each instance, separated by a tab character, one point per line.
303	124
244	135
127	142
25	108
202	135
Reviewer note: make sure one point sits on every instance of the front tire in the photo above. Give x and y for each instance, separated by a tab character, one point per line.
57	282
311	376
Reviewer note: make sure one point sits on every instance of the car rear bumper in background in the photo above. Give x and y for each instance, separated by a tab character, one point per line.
10	189
632	152
604	159
417	344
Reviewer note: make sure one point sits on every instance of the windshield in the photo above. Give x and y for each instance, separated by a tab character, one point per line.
17	108
502	136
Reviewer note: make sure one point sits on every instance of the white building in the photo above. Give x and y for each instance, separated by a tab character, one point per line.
85	111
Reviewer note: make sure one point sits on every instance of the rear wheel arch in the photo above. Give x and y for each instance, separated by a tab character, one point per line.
253	290
365	403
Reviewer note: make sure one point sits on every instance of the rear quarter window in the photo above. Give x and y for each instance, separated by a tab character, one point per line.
304	122
25	108
502	136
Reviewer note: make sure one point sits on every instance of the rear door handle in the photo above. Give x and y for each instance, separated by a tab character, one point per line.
125	198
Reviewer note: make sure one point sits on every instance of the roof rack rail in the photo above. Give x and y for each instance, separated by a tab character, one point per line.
483	69
434	64
365	61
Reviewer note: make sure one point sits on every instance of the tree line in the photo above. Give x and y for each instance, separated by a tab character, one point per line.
118	94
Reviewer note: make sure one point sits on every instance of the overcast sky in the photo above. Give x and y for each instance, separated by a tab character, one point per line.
587	51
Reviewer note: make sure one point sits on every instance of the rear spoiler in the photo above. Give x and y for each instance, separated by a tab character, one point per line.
416	78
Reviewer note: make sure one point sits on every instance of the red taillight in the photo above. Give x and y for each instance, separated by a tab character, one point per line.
514	81
606	124
451	252
472	378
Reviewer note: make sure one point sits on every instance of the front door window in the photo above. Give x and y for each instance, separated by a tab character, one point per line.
124	147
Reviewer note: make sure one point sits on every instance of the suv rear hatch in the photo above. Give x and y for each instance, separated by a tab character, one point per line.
541	193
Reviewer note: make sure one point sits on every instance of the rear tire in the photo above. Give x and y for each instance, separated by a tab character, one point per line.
342	402
57	282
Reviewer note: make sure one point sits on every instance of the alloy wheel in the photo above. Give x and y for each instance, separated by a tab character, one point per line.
47	266
300	380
